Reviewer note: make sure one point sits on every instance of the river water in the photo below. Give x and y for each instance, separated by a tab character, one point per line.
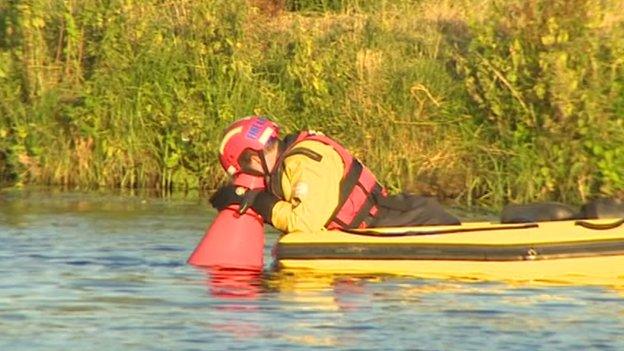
96	271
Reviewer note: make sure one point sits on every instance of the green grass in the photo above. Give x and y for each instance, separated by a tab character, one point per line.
483	102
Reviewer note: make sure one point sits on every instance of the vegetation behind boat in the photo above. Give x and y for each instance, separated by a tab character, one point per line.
484	103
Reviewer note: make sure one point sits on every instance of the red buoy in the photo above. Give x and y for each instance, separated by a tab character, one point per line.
233	240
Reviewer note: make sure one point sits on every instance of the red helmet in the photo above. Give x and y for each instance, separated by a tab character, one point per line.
253	132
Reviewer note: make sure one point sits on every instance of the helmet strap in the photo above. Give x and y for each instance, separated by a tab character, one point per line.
265	167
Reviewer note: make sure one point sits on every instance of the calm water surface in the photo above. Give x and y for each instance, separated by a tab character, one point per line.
85	271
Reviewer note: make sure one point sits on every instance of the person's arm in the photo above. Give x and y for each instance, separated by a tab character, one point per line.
311	188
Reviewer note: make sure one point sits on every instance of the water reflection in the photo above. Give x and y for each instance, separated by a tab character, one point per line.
232	283
318	291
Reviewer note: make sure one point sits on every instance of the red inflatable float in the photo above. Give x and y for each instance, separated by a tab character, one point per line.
233	240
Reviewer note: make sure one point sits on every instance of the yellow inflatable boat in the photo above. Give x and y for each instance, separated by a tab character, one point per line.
576	251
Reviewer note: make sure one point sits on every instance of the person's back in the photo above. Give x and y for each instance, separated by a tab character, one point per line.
309	184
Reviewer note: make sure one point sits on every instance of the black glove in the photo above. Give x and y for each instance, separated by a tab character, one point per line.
261	201
263	204
232	195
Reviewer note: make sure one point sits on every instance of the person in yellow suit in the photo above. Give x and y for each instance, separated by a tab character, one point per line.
312	182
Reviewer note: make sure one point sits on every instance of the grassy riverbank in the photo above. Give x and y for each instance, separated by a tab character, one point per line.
482	101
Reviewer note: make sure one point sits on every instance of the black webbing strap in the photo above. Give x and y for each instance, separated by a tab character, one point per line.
339	222
275	185
306	152
347	184
367	206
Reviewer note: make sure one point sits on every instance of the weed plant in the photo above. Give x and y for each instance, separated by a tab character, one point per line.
484	102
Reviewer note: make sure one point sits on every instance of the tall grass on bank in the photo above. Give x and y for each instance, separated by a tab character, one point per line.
481	101
546	78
